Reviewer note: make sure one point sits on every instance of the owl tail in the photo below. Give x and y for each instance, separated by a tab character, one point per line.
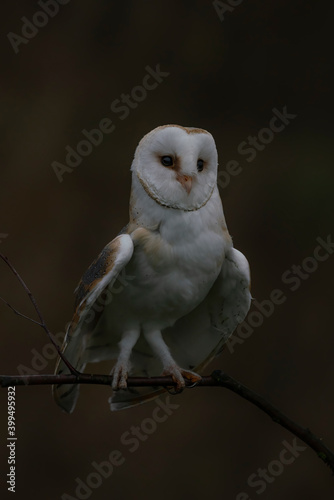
66	395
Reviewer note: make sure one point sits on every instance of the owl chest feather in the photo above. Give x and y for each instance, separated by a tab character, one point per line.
173	267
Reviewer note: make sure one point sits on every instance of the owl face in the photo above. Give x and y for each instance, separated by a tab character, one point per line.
177	166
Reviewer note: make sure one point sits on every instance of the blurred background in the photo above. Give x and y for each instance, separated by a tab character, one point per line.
225	69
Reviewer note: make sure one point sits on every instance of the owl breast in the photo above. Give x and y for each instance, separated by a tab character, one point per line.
171	271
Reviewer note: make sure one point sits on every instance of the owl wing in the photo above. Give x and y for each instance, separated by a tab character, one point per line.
195	339
228	303
102	273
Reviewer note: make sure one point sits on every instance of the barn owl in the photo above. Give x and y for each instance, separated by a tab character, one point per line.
164	295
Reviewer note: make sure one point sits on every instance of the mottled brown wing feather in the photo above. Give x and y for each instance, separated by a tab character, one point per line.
100	274
94	279
102	265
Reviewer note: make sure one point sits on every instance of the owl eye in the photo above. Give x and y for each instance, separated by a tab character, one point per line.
167	161
200	165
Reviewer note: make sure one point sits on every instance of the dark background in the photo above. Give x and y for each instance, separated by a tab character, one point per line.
224	76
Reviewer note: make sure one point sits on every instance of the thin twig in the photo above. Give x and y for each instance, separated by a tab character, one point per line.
42	323
15	311
217	379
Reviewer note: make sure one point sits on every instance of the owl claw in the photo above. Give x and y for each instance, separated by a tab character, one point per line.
120	375
180	377
192	377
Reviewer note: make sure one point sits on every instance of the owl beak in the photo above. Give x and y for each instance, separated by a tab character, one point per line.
185	181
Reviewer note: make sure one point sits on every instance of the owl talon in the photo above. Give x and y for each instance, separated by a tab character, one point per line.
180	377
192	377
120	375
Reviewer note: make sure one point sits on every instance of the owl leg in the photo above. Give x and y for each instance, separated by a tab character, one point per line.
122	366
170	367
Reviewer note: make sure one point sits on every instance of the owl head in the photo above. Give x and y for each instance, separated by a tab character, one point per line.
177	166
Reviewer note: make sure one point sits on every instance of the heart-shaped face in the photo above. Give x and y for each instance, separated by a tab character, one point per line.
177	166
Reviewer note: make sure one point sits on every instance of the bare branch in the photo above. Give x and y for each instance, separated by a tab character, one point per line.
217	379
223	380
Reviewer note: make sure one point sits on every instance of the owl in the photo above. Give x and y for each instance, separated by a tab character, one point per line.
164	296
